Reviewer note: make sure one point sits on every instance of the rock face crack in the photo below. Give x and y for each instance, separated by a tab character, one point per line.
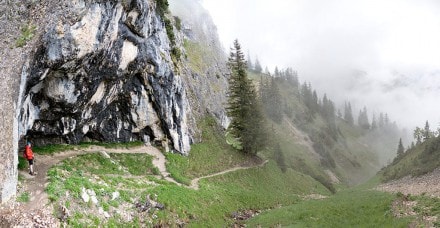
110	77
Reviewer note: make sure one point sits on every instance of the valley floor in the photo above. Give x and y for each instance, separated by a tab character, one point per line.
254	193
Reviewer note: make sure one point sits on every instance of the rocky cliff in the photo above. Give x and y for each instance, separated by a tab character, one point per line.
109	71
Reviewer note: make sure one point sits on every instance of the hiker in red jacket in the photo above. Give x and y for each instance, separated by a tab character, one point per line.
29	155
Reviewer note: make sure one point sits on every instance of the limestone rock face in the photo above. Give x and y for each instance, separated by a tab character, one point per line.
107	75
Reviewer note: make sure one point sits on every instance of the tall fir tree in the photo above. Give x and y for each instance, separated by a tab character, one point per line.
400	148
257	67
250	66
276	72
381	120
363	119
247	123
427	132
374	123
266	71
348	114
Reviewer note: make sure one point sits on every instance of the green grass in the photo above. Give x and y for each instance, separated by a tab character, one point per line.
56	148
420	160
136	164
345	209
220	196
24	197
22	163
210	206
211	156
428	206
27	33
51	149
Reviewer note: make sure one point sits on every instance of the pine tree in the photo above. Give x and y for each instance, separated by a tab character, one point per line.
257	66
271	98
400	148
427	132
276	72
381	120
374	123
363	119
339	114
250	66
386	119
243	107
348	115
266	71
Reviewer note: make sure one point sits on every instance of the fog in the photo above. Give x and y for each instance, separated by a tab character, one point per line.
381	54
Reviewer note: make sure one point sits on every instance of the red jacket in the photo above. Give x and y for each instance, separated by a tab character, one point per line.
28	154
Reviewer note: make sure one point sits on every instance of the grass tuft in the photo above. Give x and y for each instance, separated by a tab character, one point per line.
24	197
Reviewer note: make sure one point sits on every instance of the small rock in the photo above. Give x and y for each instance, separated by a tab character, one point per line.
159	206
106	214
115	195
104	154
85	196
94	200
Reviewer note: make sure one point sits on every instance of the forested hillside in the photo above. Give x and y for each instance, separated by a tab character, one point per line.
308	133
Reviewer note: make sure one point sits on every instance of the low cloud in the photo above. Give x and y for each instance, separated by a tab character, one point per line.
382	54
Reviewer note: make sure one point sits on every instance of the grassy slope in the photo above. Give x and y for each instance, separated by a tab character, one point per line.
355	161
345	209
211	156
417	161
212	205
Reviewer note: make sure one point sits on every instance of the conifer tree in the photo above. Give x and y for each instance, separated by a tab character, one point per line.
381	120
250	66
400	148
243	107
374	123
266	71
276	72
363	119
426	132
348	114
257	67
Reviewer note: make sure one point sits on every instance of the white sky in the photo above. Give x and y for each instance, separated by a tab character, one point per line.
395	42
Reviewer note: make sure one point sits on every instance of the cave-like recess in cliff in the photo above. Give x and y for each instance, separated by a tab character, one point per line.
106	77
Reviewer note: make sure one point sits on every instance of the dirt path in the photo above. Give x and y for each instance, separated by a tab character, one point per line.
36	184
195	182
38	211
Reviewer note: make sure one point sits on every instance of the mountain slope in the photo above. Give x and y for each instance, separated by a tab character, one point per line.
420	160
331	152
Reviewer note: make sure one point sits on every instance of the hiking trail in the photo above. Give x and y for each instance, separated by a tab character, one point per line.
38	205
